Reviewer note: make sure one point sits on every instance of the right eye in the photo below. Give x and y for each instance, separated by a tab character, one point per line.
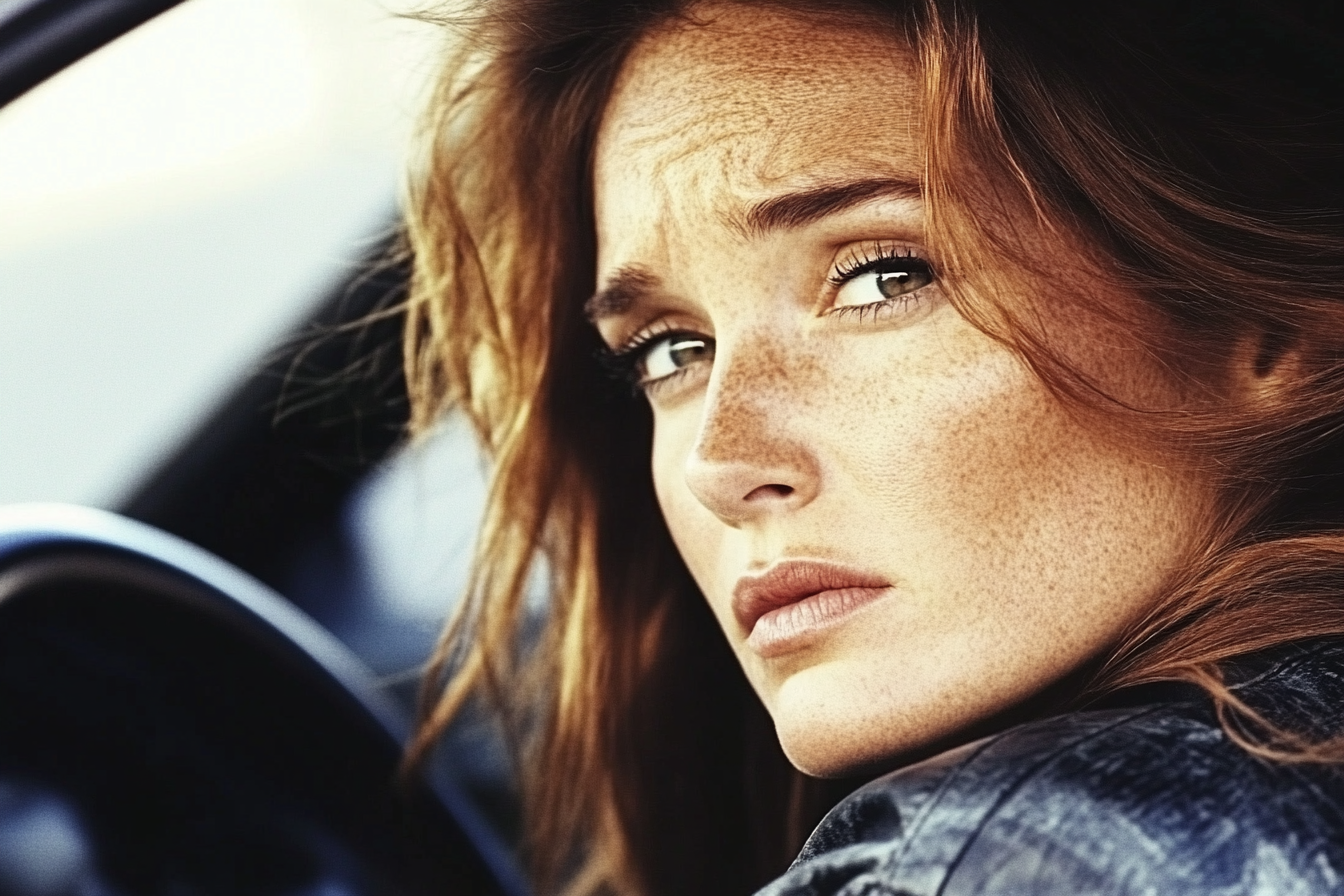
670	354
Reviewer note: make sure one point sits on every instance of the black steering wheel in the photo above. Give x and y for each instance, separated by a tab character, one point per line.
169	726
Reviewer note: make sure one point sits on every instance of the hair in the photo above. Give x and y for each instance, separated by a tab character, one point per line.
1194	149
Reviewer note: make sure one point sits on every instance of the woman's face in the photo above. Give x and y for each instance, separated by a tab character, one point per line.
900	530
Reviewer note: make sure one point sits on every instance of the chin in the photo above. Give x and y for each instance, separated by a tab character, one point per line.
824	760
826	747
838	730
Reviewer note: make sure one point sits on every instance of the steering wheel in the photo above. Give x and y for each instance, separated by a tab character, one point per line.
169	726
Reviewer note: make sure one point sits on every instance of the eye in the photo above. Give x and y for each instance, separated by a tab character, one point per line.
657	356
883	277
671	353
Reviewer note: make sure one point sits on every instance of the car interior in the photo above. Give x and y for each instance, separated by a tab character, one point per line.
197	694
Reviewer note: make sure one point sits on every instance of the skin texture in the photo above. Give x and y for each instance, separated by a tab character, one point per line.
1017	539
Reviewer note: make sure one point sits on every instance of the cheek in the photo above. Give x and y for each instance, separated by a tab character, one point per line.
997	488
975	446
956	431
958	435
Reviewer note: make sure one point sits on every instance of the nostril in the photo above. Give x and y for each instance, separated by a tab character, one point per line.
774	490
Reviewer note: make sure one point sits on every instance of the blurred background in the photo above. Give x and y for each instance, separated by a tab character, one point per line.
171	206
173	210
195	225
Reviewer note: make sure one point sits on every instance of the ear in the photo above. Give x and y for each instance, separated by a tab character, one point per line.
1264	365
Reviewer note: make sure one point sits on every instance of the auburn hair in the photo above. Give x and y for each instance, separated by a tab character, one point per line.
1192	146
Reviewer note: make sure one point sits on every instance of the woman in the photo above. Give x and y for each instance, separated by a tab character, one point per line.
992	366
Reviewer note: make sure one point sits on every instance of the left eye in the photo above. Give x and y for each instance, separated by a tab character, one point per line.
883	279
664	357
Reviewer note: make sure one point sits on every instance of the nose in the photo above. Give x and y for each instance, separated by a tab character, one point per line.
751	459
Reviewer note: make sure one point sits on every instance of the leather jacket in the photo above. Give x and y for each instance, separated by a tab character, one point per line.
1152	799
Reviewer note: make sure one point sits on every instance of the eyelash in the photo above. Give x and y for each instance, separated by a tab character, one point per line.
623	361
867	259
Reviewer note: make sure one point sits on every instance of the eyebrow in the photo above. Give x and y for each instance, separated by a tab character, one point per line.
633	282
628	286
809	206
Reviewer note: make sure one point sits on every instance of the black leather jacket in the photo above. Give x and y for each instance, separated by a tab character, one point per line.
1151	799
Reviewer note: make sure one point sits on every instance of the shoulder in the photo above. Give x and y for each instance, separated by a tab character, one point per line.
1151	799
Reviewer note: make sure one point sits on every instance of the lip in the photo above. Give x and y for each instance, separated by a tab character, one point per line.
784	607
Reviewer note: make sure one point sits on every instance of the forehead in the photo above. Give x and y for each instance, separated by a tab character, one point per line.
738	101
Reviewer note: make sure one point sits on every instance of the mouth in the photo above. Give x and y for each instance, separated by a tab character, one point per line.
792	602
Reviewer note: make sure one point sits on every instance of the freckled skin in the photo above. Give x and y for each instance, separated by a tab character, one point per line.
1019	541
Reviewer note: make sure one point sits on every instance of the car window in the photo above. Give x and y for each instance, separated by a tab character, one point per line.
172	205
180	210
